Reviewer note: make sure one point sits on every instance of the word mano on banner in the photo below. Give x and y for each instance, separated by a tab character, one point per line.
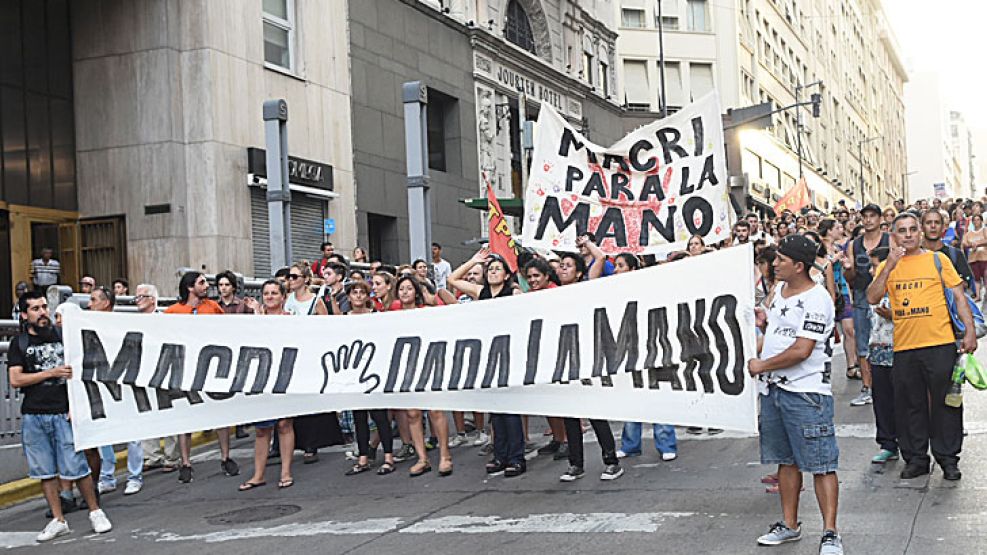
621	348
646	194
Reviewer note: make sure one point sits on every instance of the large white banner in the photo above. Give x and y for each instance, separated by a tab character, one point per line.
666	344
646	194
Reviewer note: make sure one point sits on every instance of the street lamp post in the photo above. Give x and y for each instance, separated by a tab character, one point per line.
860	158
663	101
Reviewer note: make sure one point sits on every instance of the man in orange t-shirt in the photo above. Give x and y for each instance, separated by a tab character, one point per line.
193	291
924	348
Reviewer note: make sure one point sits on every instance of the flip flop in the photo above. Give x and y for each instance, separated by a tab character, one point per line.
246	486
309	458
285	484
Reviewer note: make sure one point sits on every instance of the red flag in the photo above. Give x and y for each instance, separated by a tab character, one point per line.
499	231
795	199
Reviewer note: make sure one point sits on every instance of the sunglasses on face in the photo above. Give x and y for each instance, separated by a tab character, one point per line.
294	276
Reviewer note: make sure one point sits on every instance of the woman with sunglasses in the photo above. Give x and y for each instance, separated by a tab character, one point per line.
312	431
361	303
273	298
508	429
572	269
409	295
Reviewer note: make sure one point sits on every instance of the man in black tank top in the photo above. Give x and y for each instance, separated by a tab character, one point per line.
858	276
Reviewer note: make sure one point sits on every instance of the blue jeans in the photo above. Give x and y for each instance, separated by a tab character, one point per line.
508	438
630	438
861	323
135	462
50	448
797	429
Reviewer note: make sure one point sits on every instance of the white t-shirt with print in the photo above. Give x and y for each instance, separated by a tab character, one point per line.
810	315
442	271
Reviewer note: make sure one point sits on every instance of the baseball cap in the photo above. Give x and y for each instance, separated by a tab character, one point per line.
799	248
871	208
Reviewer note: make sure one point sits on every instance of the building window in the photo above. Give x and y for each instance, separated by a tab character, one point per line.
697	16
673	86
442	131
668	22
279	33
588	67
702	79
605	80
518	29
637	89
632	17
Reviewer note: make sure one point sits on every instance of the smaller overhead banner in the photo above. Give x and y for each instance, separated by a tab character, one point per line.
646	194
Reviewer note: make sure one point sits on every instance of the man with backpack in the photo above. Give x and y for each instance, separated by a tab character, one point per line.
36	364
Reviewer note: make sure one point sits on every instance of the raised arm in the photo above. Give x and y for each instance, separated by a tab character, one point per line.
599	259
456	278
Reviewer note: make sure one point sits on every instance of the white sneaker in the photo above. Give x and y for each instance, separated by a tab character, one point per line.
104	487
101	524
621	454
457	440
481	440
133	486
54	529
669	456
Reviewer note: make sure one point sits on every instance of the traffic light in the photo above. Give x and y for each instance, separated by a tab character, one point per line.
816	99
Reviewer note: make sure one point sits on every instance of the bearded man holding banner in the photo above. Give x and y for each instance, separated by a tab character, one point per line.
794	374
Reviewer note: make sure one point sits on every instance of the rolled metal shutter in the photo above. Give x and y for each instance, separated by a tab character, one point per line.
307	215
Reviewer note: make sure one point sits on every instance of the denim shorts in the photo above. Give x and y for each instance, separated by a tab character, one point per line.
50	448
861	325
797	428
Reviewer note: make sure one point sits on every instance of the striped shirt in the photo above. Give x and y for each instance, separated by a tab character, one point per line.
45	274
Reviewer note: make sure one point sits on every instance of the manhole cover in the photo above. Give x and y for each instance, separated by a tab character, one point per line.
253	514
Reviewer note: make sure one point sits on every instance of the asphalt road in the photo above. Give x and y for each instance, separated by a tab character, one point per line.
709	500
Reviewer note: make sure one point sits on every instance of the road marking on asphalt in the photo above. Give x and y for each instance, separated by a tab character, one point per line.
552	523
300	529
10	540
548	523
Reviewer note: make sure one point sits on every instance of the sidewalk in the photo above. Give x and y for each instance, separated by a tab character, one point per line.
15	487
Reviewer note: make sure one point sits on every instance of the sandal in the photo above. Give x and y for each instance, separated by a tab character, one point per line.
422	466
774	488
285	484
445	470
309	458
853	372
358	469
246	486
385	468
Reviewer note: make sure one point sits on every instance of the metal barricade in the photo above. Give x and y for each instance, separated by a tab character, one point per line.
10	398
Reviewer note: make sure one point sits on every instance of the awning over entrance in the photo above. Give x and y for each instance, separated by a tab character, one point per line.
512	206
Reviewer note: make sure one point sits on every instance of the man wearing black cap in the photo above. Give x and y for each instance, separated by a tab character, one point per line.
795	382
859	277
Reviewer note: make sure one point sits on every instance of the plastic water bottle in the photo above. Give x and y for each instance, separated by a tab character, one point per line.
954	396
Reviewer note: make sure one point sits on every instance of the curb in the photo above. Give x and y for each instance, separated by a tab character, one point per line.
18	491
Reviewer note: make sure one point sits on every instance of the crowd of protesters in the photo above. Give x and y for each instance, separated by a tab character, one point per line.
872	279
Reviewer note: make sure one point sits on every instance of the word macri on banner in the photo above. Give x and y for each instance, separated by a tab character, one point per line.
646	194
637	352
